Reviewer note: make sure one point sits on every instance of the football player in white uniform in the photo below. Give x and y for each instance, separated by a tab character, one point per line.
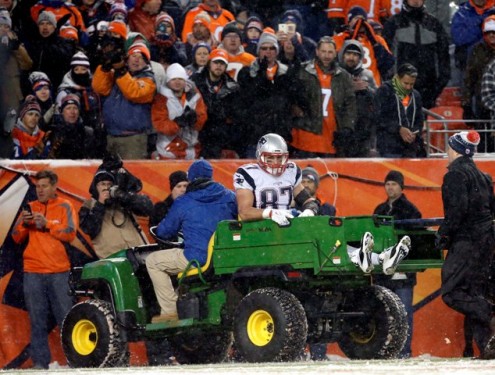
265	190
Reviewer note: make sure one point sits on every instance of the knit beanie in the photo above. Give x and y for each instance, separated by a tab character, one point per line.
79	59
177	177
199	45
254	22
231	27
164	17
48	17
5	19
118	8
30	104
465	142
395	176
267	37
356	11
39	80
69	32
70	99
119	28
141	48
202	18
176	71
294	16
311	174
200	169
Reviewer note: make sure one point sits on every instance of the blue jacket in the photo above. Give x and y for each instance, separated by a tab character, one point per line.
466	25
197	214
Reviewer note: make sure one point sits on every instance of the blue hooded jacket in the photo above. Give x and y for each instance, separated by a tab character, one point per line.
197	214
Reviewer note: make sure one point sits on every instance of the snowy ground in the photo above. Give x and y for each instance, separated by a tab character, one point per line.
336	366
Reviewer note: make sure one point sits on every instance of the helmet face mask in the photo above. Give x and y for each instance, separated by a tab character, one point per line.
272	154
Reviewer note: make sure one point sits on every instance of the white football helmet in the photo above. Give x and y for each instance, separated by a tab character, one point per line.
272	145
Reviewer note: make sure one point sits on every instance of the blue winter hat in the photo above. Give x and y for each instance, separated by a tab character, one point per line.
465	142
292	15
356	11
200	169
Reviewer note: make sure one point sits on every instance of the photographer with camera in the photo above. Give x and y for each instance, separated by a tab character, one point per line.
108	216
126	84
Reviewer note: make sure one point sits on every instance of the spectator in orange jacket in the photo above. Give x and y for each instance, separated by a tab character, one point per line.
178	115
48	225
127	88
219	18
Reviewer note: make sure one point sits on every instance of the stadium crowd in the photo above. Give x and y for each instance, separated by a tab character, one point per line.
170	79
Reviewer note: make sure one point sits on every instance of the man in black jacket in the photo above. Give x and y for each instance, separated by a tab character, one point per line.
467	232
402	284
220	93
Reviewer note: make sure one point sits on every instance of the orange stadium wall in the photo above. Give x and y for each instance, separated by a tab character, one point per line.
355	186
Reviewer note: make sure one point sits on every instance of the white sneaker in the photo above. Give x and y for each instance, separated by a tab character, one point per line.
391	257
364	253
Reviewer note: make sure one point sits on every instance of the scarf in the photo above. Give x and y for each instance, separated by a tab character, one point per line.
400	91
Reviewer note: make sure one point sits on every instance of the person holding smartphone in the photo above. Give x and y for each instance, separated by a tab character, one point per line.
399	116
294	46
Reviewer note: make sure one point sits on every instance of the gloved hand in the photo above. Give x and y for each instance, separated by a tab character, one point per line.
370	33
441	242
281	217
14	43
188	118
307	213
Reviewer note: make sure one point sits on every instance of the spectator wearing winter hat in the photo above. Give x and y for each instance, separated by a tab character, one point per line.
400	208
179	114
108	46
219	17
50	52
78	81
127	88
251	34
381	61
30	142
266	96
231	42
70	138
14	59
467	234
118	12
69	33
200	33
178	185
42	89
166	48
351	57
200	53
294	46
62	10
143	16
221	95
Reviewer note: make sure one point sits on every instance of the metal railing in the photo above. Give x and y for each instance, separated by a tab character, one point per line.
437	147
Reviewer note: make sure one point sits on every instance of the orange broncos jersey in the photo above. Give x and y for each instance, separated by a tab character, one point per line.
320	143
376	9
237	62
369	59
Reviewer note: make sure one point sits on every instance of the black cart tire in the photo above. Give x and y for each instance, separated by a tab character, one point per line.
270	325
382	332
91	337
201	347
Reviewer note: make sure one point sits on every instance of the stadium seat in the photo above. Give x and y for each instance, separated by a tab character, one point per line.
450	96
437	140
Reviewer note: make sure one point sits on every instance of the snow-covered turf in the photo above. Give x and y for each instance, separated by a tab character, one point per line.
335	366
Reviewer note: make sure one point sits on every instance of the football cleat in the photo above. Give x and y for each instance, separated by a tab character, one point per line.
391	257
364	253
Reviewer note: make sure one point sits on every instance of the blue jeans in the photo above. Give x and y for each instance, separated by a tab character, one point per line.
45	293
406	296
